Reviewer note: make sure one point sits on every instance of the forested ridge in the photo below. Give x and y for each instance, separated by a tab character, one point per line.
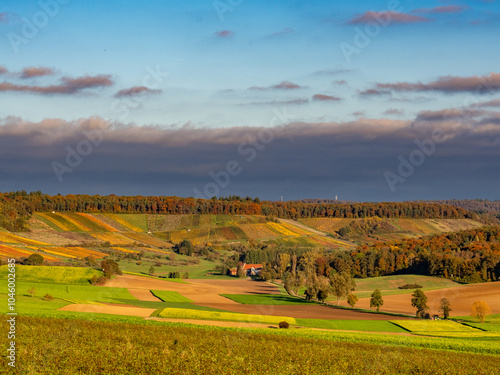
469	255
480	206
17	207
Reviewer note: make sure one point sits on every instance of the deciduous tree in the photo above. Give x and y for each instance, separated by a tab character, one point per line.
376	301
342	284
352	299
480	309
444	306
419	300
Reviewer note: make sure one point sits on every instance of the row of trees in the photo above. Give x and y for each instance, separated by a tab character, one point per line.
469	255
16	207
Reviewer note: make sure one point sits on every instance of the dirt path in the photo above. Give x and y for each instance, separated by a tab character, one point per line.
109	309
461	299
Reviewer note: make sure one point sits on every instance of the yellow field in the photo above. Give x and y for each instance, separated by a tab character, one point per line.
122	249
95	220
12	238
124	223
74	252
147	239
282	230
113	238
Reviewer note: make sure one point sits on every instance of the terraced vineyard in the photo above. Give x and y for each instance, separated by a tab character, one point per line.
389	229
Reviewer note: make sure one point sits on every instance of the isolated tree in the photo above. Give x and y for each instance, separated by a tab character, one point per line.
444	306
186	275
419	300
480	309
31	291
151	270
342	284
110	268
34	260
376	300
352	299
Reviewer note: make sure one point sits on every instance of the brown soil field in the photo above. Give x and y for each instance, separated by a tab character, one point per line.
461	299
300	311
143	295
199	291
110	309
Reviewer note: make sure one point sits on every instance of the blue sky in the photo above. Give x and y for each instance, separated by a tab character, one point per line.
229	65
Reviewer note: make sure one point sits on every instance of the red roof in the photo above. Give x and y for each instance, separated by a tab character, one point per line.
250	266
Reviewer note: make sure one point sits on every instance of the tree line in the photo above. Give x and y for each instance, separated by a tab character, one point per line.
468	255
17	207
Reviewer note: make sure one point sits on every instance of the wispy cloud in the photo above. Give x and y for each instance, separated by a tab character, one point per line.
394	111
326	98
489	103
389	17
285	85
5	17
373	92
67	86
331	72
31	71
136	90
441	9
449	84
224	34
3	70
285	31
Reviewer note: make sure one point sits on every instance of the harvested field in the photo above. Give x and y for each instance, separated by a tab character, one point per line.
238	286
301	311
461	299
198	292
110	309
143	295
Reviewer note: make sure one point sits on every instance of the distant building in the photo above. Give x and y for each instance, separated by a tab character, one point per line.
251	269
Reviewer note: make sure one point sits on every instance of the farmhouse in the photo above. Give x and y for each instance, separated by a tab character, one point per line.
250	269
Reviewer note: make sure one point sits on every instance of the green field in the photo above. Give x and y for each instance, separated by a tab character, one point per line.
75	292
423	326
491	327
389	285
224	316
265	299
48	274
168	296
202	270
352	325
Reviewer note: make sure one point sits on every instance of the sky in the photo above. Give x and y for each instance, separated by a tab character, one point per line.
363	100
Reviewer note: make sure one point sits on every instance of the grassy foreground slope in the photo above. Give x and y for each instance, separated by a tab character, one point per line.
60	346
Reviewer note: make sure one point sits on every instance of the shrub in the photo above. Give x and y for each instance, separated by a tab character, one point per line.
34	260
48	297
284	324
411	286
